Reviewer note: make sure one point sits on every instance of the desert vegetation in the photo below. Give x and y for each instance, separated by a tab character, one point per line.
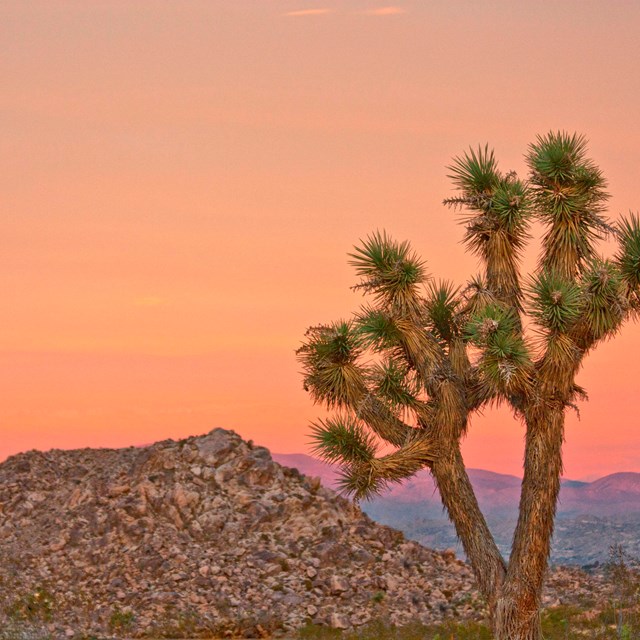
612	612
412	366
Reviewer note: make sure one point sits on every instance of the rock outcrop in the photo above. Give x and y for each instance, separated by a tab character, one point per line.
207	534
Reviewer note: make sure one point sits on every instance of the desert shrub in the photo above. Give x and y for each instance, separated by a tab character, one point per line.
37	605
120	621
382	630
624	608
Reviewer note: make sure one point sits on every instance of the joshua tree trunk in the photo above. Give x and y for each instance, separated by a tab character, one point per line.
464	512
518	606
513	595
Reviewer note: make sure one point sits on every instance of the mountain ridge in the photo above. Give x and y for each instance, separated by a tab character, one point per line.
591	516
485	482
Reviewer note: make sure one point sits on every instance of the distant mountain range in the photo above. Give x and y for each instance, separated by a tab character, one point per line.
612	495
591	515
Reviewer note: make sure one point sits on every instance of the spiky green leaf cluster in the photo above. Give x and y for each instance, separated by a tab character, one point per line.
357	482
489	323
604	303
329	356
505	362
475	173
335	343
505	365
554	301
628	256
343	440
393	381
510	205
389	270
484	189
498	204
556	156
398	335
569	193
376	328
442	307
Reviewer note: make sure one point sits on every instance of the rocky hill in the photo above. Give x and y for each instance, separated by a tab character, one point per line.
205	534
209	535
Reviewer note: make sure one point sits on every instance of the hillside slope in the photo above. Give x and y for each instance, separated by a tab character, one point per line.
205	534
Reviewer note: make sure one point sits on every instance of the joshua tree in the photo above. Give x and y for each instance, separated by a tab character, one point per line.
408	370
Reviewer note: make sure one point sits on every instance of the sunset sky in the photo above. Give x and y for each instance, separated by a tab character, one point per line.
181	182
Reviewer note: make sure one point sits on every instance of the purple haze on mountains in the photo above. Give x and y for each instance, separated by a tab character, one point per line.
615	494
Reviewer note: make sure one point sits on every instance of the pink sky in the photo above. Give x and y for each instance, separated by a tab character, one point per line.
181	182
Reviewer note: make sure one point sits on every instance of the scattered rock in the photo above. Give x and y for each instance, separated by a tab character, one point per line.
207	534
338	584
339	621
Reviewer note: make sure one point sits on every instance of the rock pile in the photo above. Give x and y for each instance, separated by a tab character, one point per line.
207	534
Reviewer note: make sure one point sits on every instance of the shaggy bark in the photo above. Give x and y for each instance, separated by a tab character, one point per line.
463	510
518	605
513	591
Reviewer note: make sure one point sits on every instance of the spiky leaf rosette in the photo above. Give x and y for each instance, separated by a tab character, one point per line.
505	365
367	478
490	322
342	439
331	373
628	255
443	302
496	226
376	329
605	306
569	194
554	301
395	383
390	271
401	336
476	175
510	205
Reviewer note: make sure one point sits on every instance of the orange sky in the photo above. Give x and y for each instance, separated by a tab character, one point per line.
181	182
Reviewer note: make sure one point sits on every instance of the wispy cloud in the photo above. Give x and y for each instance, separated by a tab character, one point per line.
384	11
309	12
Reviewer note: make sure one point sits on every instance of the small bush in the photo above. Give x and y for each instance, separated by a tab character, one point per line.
32	607
382	630
121	620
